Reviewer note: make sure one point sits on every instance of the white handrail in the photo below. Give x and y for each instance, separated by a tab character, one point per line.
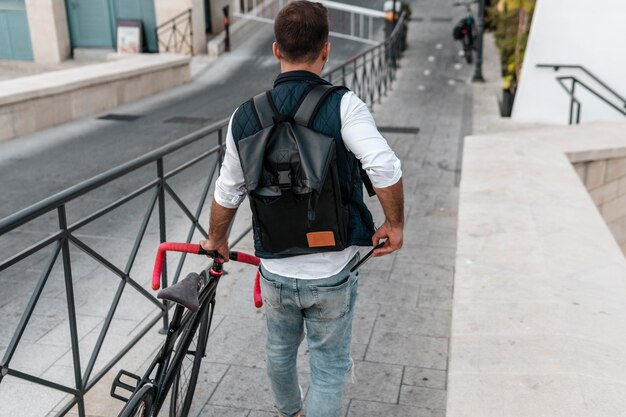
350	8
364	33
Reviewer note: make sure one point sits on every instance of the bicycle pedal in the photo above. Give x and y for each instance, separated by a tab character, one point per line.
129	383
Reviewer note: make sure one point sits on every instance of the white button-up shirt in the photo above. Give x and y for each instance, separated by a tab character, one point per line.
361	137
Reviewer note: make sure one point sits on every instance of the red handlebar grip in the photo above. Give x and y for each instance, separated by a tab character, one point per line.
258	300
180	247
156	272
172	247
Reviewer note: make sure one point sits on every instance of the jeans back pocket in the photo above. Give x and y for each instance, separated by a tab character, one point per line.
333	301
270	291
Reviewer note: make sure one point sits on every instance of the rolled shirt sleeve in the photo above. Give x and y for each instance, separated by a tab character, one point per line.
362	138
230	186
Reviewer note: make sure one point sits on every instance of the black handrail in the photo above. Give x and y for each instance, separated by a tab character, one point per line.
178	34
575	104
19	218
556	67
60	241
370	74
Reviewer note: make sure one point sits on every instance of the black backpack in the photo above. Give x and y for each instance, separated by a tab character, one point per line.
291	174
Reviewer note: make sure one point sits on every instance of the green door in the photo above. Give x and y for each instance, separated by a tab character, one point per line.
15	41
93	22
90	23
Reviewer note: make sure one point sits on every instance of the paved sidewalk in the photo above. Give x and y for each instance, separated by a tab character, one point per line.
403	313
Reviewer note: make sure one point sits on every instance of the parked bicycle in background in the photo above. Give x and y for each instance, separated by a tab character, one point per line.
465	30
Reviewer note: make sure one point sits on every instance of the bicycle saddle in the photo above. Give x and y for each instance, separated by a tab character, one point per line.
184	292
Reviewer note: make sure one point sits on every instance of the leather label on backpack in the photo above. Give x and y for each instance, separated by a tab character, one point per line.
320	239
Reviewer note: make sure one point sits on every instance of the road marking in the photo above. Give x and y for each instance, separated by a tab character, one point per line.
119	117
458	66
431	58
451	82
427	72
439	46
461	53
188	120
420	87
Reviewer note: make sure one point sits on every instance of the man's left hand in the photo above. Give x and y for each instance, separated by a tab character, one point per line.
394	236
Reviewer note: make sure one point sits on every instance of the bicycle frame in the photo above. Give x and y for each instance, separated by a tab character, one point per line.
165	372
469	19
164	367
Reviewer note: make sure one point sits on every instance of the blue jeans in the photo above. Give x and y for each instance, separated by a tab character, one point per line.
325	307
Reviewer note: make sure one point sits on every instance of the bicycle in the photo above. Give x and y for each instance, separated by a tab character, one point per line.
187	335
177	364
465	30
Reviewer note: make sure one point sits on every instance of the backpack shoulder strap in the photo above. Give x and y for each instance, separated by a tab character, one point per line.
264	109
310	105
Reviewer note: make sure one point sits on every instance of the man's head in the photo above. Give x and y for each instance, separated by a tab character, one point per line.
301	32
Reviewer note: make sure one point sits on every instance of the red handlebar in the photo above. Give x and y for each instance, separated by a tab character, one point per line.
258	300
197	249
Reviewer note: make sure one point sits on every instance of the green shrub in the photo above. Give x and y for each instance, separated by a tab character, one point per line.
510	21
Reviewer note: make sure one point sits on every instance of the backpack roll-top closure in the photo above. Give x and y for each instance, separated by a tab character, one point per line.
299	156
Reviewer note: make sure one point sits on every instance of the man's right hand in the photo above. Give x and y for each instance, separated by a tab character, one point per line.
219	247
394	236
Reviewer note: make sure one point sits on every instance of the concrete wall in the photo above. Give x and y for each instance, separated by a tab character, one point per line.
539	286
167	9
49	31
605	180
30	104
579	32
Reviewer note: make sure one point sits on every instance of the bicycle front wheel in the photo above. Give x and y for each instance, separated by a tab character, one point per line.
185	380
140	404
467	49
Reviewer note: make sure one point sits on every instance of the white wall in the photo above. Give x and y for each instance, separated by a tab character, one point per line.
580	32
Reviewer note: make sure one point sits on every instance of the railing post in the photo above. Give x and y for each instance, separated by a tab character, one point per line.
225	10
162	236
571	104
71	309
190	26
220	142
478	67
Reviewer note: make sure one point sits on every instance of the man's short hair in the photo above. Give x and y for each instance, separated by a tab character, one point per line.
301	31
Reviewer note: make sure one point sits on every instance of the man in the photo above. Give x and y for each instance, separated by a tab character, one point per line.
314	290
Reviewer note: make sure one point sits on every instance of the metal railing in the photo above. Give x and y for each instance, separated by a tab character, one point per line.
568	83
176	35
345	21
369	75
60	241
